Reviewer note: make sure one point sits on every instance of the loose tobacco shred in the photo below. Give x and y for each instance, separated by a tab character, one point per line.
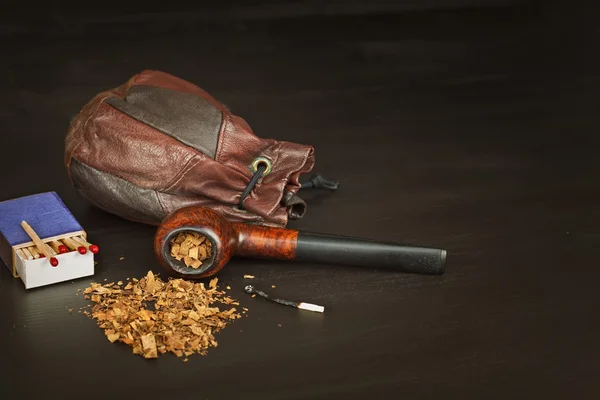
155	317
191	247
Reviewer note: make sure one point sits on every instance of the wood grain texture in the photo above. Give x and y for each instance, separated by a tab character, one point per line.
473	131
228	240
266	242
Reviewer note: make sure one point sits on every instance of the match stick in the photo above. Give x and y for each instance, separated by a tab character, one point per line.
26	254
59	247
69	243
41	246
34	252
62	248
72	245
93	248
80	246
299	305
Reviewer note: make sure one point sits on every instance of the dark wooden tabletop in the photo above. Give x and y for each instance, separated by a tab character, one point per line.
474	130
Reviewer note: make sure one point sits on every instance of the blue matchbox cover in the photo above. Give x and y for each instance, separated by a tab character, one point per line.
44	212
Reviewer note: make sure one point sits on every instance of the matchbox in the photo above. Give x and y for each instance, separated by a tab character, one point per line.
42	243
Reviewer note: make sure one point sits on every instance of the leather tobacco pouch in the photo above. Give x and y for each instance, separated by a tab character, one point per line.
158	143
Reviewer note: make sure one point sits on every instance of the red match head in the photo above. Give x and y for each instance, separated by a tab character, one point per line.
94	249
82	250
62	249
53	262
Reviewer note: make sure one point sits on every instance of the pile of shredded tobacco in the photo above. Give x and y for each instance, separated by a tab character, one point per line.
192	247
155	317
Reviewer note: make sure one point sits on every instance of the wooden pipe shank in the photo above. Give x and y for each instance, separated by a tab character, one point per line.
266	242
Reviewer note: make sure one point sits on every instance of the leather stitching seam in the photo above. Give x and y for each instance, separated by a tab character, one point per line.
184	171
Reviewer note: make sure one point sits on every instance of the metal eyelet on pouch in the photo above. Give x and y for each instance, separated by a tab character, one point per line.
258	173
261	160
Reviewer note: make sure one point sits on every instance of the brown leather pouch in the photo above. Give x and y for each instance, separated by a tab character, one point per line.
157	143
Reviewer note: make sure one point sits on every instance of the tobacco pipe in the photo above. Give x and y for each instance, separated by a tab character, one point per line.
238	239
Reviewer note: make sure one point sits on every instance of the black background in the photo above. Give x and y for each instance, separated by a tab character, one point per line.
470	126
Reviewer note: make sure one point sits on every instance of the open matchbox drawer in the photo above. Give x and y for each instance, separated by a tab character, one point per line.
51	221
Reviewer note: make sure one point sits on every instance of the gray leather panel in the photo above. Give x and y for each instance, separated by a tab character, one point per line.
186	117
115	195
